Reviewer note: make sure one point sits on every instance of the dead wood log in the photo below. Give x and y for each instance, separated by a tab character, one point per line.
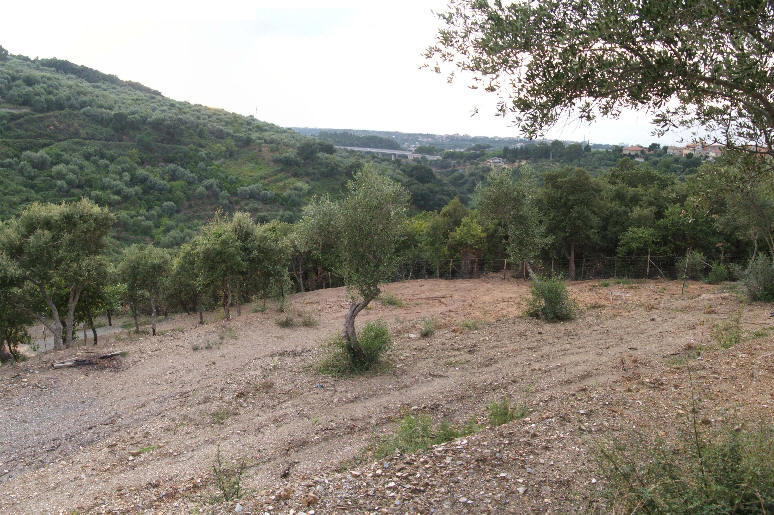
82	361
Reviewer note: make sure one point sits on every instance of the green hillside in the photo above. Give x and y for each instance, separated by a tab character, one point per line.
162	166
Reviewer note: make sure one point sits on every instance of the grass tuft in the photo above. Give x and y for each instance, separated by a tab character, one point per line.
417	433
428	328
388	299
503	412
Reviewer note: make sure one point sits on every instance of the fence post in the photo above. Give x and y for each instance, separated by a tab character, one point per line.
647	267
505	266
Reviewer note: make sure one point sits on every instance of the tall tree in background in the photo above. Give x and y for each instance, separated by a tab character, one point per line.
220	261
569	203
512	205
145	270
55	247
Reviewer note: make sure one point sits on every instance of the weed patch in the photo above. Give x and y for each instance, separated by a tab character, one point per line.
219	416
286	322
227	479
729	332
472	324
729	471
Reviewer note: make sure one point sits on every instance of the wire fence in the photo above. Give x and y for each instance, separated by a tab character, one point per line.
604	267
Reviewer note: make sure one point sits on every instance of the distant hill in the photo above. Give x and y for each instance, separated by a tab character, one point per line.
163	166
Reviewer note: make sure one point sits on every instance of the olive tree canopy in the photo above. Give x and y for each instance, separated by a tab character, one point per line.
692	63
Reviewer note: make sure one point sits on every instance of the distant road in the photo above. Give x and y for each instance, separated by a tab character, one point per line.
391	152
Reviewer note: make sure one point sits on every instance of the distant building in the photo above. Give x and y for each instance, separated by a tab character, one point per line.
633	150
495	161
711	151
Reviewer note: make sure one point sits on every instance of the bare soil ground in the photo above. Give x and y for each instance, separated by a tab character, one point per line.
139	434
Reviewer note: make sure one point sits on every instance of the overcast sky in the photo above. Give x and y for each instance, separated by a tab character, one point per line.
352	64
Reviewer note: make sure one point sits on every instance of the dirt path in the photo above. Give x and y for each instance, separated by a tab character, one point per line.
142	432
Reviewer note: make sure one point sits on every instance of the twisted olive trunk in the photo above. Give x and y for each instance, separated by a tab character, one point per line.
348	333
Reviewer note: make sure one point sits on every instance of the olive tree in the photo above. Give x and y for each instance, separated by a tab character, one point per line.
220	261
14	319
186	289
365	227
692	63
512	205
55	247
145	270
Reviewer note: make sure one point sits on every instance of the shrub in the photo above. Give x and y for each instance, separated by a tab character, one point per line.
726	472
428	328
692	266
286	321
374	339
503	412
717	274
551	300
759	279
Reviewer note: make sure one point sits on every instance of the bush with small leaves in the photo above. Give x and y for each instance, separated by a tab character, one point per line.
374	339
717	274
759	279
550	300
228	478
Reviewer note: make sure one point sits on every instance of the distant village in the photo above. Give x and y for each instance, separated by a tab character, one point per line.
711	151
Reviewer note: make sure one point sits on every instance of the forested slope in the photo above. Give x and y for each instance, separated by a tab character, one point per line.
162	166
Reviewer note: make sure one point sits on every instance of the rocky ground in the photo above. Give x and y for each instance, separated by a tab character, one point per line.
140	433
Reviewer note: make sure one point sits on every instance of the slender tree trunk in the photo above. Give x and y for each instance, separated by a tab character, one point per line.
299	275
85	340
238	302
572	261
93	329
134	315
348	333
153	315
72	302
55	325
647	266
201	316
109	317
227	302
